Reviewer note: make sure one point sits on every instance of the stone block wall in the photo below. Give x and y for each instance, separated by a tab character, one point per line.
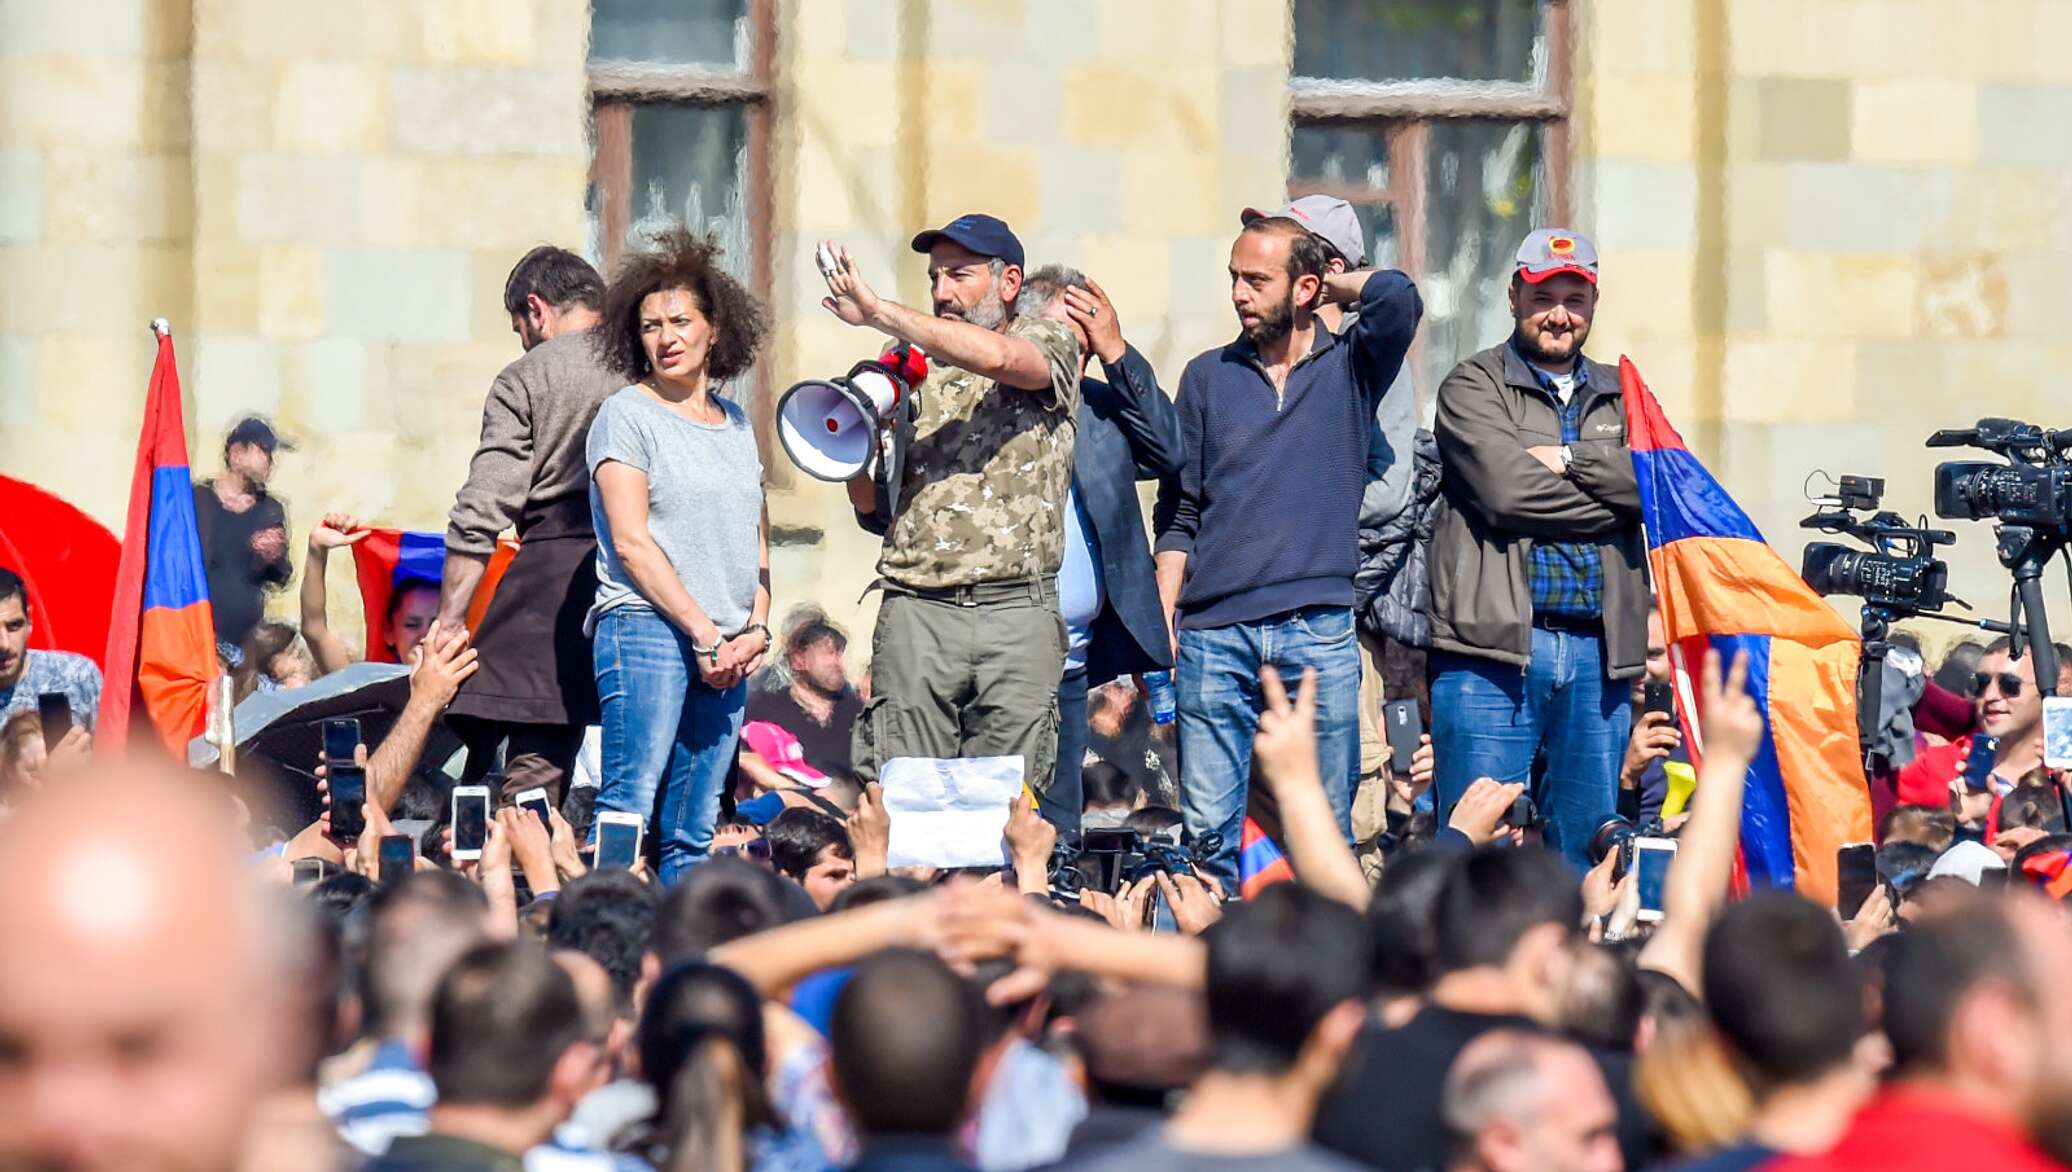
1829	226
1121	138
1846	219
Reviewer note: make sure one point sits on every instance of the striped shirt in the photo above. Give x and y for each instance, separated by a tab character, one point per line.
390	1099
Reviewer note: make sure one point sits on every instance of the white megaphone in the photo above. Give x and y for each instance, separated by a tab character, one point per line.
829	427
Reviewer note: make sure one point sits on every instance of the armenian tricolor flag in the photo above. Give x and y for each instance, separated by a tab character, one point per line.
161	634
387	560
2050	873
1720	585
1260	863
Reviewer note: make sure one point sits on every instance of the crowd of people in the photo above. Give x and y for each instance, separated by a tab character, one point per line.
1238	918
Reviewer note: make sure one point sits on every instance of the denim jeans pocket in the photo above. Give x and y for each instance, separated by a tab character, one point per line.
1328	626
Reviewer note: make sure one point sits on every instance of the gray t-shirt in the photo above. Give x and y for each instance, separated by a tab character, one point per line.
705	503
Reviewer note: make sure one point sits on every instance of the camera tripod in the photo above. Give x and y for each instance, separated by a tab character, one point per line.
2025	551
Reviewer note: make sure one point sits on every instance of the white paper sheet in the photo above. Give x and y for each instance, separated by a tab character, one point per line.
949	813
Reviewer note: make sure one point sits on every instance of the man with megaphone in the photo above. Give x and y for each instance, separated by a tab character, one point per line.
969	647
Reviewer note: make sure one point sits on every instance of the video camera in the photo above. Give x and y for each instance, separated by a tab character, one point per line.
1897	577
2030	500
1111	860
2034	488
1899	572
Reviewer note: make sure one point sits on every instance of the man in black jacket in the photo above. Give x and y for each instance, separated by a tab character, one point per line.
1107	589
1539	605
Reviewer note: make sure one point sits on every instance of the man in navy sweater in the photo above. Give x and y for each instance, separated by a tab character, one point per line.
1258	537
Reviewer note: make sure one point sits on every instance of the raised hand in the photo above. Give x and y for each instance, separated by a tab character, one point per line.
849	298
441	663
1481	810
1655	736
870	831
1095	313
336	531
1285	748
1732	723
1030	837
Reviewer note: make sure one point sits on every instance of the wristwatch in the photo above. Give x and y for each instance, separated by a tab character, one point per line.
1568	459
755	627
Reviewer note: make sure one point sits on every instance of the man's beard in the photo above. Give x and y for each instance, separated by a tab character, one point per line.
1529	346
1273	324
988	314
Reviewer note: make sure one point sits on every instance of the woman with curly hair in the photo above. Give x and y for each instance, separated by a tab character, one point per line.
683	558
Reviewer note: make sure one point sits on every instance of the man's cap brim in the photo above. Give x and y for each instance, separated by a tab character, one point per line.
1534	277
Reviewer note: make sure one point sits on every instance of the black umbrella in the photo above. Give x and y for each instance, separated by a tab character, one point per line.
280	735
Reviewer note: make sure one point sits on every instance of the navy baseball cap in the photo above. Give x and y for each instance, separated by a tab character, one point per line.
982	234
255	430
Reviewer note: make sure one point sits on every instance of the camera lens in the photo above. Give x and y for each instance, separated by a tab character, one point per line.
1610	835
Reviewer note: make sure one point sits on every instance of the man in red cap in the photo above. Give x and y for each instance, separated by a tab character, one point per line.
1539	604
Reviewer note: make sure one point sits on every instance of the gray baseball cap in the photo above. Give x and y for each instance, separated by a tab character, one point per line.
1328	218
1556	250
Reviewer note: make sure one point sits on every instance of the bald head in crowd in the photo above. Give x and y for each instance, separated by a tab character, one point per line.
1518	1101
143	1006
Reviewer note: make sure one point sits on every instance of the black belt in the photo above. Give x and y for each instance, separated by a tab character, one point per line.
1573	624
978	593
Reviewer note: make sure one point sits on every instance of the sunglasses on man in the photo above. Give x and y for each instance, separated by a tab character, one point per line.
2010	684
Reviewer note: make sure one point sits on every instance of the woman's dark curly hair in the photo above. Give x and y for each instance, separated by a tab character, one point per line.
678	258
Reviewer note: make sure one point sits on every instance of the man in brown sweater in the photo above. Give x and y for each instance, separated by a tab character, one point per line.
536	686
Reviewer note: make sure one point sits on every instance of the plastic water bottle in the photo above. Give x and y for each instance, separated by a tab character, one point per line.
1165	702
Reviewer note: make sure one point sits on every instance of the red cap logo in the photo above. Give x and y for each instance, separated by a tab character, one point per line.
1561	245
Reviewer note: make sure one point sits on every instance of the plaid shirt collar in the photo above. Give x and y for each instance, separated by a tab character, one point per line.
1546	381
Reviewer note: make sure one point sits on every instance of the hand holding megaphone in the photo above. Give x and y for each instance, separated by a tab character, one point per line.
829	426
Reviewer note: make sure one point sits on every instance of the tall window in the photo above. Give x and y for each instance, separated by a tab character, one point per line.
681	93
1445	124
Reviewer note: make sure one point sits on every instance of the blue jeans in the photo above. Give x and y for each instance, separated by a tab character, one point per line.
669	738
1063	802
1493	719
1220	701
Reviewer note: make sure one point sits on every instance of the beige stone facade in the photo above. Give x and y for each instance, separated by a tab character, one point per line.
1828	226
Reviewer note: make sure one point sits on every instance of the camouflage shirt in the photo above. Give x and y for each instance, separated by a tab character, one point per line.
985	478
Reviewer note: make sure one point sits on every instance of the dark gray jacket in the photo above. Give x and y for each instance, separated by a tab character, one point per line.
1496	501
1393	585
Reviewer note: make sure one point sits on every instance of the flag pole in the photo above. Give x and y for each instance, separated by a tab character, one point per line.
161	328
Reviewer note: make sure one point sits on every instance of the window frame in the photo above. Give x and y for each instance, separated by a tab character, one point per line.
1405	111
617	87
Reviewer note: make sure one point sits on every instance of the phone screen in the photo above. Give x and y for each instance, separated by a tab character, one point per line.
348	793
536	801
1405	728
1653	864
2057	732
1856	876
341	737
398	857
1978	766
618	844
470	821
55	708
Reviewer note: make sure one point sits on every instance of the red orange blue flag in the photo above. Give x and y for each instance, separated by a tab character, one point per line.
161	633
1260	863
389	560
2050	873
1719	585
